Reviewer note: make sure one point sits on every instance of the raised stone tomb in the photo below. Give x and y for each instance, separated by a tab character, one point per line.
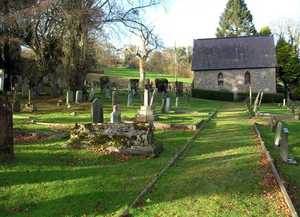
128	138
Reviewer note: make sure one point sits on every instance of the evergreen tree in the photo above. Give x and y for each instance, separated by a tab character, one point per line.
236	20
265	31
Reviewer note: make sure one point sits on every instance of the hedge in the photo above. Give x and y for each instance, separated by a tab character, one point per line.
228	96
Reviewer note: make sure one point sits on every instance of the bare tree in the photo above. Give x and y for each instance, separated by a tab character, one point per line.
148	43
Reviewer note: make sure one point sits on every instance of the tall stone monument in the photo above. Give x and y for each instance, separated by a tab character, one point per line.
145	113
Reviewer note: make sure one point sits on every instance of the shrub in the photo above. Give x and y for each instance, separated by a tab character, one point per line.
228	96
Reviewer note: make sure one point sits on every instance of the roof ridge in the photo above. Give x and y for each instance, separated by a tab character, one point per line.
236	37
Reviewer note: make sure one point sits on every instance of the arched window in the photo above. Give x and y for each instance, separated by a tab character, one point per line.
220	80
247	78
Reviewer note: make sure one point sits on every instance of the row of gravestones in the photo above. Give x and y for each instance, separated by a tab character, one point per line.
281	139
145	114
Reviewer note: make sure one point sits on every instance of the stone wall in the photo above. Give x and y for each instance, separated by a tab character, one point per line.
261	79
128	138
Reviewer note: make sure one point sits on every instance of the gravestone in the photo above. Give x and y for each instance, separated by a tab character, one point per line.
107	92
129	99
145	113
163	103
97	111
115	116
104	83
278	134
179	88
69	97
273	123
115	98
59	103
176	102
6	132
133	85
161	85
152	100
1	80
92	94
78	97
284	148
168	104
284	102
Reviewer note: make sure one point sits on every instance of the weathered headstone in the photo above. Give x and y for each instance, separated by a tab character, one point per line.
168	104
176	102
97	111
6	132
284	102
278	134
107	92
92	94
273	123
1	80
284	148
129	99
115	116
162	85
69	97
78	97
115	98
179	88
133	85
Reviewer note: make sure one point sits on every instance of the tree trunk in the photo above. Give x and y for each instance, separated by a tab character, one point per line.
142	74
6	131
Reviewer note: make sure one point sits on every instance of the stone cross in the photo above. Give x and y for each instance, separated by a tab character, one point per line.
115	116
97	111
78	97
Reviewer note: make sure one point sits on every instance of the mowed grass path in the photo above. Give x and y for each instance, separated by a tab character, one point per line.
218	176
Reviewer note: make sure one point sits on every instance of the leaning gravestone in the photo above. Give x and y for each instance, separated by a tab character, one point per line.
115	116
273	123
6	132
78	97
96	111
278	134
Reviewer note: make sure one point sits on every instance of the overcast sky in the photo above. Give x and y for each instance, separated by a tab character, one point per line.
184	20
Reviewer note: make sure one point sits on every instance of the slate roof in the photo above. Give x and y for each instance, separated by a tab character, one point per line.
234	53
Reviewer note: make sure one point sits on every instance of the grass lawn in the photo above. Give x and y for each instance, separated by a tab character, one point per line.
48	180
274	109
290	173
134	73
219	176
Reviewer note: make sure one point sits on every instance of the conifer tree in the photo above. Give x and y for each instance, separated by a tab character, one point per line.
236	20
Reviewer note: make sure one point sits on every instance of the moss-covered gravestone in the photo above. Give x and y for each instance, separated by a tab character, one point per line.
6	130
